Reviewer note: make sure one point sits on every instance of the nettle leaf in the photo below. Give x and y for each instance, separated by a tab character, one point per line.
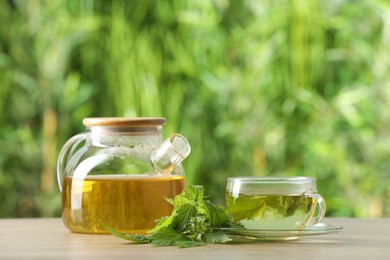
192	243
134	238
216	238
233	224
163	223
168	237
193	222
179	200
215	215
138	238
248	209
195	192
184	216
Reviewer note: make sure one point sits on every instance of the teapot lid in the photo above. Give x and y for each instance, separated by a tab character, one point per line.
124	121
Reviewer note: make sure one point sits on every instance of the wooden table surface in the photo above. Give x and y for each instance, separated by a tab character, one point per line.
49	239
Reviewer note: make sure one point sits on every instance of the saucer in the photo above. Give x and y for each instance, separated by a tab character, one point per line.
282	234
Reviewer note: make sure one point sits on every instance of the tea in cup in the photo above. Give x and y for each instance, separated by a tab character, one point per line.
274	202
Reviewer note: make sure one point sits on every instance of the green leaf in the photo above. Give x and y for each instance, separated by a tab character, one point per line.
184	216
168	237
234	224
195	192
244	208
256	206
215	215
191	243
163	223
216	238
135	238
193	222
179	200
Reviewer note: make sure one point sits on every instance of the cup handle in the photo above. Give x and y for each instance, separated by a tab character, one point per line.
321	209
66	153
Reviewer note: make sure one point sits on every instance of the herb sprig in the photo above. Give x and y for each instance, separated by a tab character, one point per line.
195	221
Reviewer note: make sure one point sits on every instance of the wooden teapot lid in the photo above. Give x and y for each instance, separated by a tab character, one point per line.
124	121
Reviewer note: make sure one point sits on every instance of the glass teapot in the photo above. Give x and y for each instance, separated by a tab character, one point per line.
121	176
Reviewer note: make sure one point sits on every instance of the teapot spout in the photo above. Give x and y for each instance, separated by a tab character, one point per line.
170	153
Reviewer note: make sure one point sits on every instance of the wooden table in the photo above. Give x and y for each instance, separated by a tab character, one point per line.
48	239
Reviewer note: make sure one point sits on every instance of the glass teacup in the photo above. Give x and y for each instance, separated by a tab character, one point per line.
274	202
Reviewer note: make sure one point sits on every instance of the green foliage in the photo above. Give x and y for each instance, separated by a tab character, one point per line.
297	87
194	222
258	206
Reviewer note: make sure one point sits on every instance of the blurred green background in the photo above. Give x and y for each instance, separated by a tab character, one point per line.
272	87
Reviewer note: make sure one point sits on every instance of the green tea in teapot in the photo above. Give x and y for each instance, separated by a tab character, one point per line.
119	173
127	203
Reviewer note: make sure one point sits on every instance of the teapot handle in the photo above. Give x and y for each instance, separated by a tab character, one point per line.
66	153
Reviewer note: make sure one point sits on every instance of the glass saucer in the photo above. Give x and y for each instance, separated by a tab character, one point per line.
282	234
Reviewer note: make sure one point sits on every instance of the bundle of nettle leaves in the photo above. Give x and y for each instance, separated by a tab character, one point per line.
195	221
